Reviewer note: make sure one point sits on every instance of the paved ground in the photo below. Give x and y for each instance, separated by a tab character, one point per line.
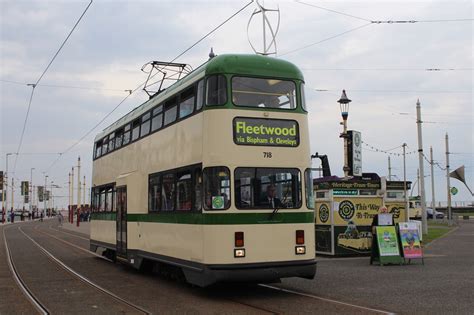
443	285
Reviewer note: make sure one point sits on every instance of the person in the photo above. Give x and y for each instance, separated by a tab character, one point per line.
41	216
271	200
60	218
375	222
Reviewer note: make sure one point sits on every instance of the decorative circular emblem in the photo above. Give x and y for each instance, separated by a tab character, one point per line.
323	213
346	210
396	212
218	202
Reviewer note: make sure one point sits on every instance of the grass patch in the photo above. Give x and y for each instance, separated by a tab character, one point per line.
438	223
435	232
464	213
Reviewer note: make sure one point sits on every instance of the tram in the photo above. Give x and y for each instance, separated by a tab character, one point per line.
211	176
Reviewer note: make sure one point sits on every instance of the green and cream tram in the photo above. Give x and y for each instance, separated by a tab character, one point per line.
211	176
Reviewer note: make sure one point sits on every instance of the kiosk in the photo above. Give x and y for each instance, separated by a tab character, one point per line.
344	213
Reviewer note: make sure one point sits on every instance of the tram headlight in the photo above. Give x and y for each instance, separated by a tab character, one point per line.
300	250
239	253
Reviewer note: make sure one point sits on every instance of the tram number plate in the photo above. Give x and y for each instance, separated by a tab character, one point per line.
267	155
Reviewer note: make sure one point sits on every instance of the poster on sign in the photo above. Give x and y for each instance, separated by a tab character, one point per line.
387	241
410	240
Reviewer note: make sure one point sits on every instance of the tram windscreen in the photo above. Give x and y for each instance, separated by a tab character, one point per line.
263	93
267	188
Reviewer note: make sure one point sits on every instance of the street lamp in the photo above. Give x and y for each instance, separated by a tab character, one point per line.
344	106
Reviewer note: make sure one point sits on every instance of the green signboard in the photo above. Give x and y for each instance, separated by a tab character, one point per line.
266	132
387	242
351	192
454	190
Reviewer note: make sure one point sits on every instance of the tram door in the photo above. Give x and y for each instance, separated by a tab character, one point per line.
122	221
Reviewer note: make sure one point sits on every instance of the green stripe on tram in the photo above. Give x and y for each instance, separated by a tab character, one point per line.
213	219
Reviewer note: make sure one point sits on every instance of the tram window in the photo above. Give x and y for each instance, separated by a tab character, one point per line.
257	188
105	145
198	189
216	188
102	200
135	129
308	188
184	187
263	93
126	134
168	192
118	138
111	142
145	127
303	98
154	193
186	103
157	120
170	111
98	149
216	90
200	95
108	200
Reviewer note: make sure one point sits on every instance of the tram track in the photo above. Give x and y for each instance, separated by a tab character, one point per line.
290	292
40	305
42	309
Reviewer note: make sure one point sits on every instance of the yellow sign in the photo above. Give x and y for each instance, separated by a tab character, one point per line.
398	211
359	211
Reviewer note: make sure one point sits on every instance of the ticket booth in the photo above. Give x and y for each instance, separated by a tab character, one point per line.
344	213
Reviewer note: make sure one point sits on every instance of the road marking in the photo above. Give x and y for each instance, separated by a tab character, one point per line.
324	299
51	227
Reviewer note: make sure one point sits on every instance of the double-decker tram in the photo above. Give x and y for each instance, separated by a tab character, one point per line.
211	176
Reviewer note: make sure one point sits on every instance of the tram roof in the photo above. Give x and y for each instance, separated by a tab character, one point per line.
251	65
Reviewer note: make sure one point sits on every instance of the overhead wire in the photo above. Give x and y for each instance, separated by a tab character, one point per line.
141	85
65	86
33	86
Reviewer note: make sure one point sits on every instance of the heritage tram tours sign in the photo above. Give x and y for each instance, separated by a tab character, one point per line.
266	132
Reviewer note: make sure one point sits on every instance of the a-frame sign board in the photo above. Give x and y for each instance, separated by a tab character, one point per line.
388	247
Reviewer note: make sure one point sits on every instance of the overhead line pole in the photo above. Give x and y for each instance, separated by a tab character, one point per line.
422	172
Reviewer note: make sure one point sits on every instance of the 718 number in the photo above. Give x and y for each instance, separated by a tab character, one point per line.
267	155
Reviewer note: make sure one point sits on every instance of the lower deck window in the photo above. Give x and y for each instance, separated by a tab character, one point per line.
257	188
216	188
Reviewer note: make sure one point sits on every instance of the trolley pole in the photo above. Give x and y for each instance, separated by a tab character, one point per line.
433	201
44	195
389	169
448	184
84	191
31	190
78	190
422	171
72	196
407	205
69	198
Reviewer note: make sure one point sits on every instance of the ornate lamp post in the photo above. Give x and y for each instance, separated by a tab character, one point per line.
344	106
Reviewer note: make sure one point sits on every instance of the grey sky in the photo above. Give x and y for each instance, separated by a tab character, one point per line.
381	66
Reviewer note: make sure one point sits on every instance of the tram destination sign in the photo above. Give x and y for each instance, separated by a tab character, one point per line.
266	132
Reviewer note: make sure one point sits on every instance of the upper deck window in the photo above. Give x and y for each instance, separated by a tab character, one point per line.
303	98
170	111
216	90
263	93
